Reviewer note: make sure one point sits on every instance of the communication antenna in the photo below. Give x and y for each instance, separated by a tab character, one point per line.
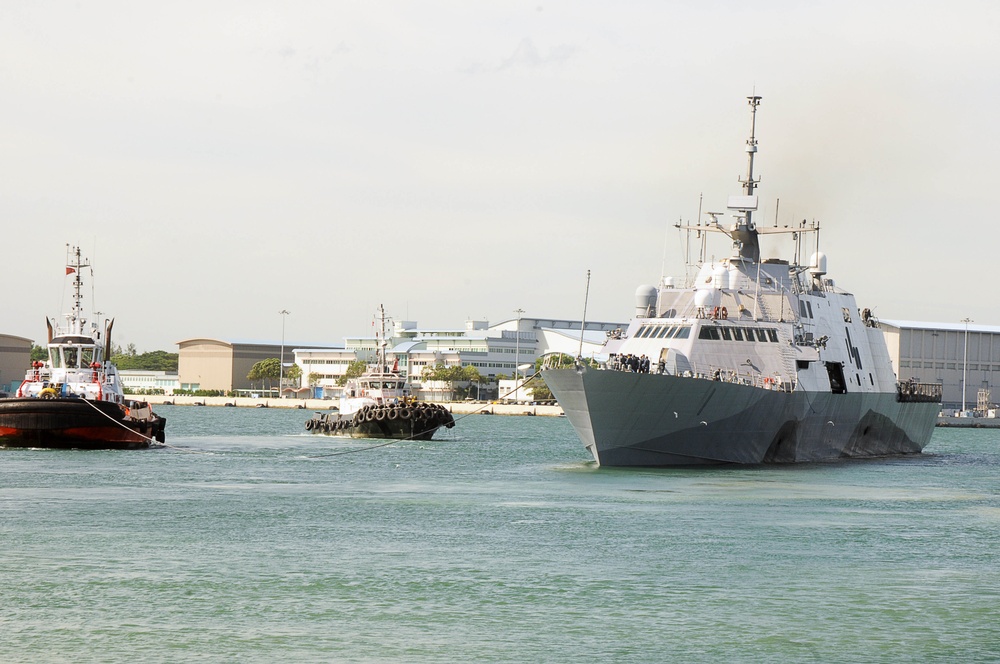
583	322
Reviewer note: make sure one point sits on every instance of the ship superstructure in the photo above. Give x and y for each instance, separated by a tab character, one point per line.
746	360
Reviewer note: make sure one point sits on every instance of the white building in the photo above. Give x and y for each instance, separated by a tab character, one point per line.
139	381
493	350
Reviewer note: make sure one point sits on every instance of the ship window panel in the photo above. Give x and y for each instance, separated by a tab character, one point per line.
760	334
737	334
709	333
772	335
671	332
727	334
683	333
802	308
809	306
664	332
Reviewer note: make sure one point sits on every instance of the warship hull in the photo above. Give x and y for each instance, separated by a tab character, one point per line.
74	423
630	419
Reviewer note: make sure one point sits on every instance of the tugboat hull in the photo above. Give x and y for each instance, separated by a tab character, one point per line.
413	421
73	423
629	419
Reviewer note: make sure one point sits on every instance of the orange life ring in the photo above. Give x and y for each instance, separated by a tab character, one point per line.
715	312
725	314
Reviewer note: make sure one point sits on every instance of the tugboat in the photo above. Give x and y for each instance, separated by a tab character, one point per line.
750	361
74	399
378	404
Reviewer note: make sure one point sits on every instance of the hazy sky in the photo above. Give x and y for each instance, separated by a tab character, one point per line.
221	161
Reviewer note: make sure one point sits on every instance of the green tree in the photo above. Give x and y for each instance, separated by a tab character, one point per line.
39	353
354	369
265	371
294	373
449	374
157	360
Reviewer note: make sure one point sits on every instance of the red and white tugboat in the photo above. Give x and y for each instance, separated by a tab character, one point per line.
74	399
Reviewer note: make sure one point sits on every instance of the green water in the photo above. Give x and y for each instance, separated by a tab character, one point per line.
499	542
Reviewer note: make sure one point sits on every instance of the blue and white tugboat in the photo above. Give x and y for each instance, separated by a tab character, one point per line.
750	361
378	404
74	398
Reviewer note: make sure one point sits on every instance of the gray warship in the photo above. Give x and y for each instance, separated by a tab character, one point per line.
745	361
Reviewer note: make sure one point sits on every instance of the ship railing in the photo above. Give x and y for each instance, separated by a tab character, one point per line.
776	383
910	391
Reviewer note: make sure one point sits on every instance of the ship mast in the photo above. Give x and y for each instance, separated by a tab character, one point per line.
746	231
74	266
380	338
749	184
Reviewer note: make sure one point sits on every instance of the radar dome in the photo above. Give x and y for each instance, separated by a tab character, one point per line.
706	297
817	264
645	301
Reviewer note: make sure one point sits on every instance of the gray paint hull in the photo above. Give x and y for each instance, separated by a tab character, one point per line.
628	419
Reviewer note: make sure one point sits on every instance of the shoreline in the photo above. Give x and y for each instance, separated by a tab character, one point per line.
454	407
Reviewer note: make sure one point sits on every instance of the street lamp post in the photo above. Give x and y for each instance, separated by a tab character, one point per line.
965	360
281	361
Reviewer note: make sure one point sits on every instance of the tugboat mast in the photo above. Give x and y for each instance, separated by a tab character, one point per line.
75	265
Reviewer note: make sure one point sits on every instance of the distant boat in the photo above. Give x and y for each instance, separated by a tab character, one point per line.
74	398
378	404
750	361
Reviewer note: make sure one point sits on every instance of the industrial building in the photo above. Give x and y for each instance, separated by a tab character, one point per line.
218	364
956	355
15	360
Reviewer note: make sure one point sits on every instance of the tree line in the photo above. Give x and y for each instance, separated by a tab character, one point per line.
126	358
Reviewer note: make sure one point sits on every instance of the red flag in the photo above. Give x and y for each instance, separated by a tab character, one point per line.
70	270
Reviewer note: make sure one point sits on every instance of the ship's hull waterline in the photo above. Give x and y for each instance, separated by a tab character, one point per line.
629	419
73	423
